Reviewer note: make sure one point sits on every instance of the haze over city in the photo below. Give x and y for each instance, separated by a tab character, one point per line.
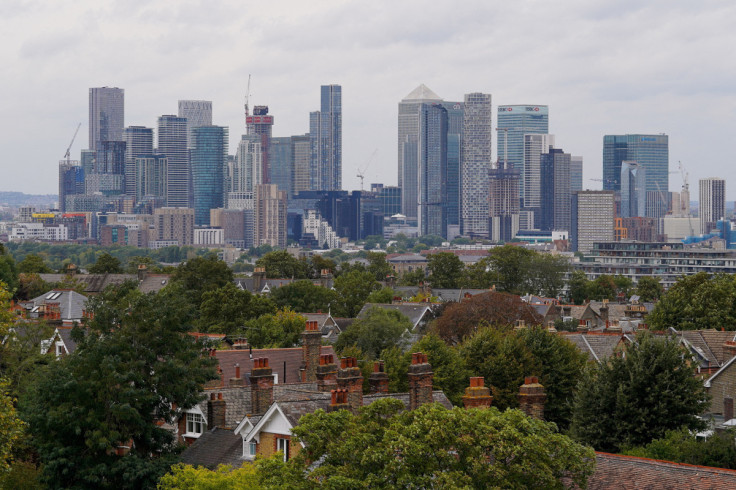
602	68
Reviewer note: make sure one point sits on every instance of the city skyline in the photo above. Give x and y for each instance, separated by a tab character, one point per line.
685	91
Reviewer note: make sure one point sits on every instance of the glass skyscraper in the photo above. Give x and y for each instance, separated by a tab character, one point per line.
476	164
325	131
209	161
172	142
106	115
514	121
432	162
650	151
197	113
138	141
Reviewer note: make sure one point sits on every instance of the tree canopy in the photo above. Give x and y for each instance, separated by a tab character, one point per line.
106	264
33	263
304	297
134	368
445	270
353	289
631	400
201	274
226	309
281	264
279	329
378	330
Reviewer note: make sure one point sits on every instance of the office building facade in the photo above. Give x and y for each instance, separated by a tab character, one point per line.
151	174
592	219
197	113
576	173
172	142
514	121
633	190
555	193
534	146
260	125
270	216
209	161
504	203
106	115
138	141
650	151
325	131
476	164
712	203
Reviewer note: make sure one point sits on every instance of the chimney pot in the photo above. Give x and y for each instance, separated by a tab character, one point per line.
237	370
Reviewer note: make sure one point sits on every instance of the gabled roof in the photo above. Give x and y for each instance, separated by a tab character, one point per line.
422	92
599	346
153	283
718	373
708	344
629	472
71	303
455	294
214	447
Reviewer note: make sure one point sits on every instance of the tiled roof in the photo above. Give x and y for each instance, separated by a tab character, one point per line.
455	294
94	283
71	303
153	283
628	472
291	359
598	346
214	447
707	344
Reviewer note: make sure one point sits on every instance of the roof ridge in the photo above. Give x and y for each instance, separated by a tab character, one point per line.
688	465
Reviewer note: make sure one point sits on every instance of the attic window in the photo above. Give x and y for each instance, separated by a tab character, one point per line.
50	295
195	425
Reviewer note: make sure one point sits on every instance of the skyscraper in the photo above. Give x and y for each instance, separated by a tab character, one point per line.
260	124
476	164
555	191
172	142
712	204
138	141
514	121
592	219
432	170
325	130
650	151
106	115
633	190
280	163
197	113
300	155
270	216
576	173
455	138
245	172
408	126
209	161
71	181
150	178
534	146
503	203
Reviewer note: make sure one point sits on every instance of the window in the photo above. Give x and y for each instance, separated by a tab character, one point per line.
282	445
249	449
195	424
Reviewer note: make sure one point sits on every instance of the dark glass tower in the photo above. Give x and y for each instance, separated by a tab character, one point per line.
172	142
209	160
650	151
325	131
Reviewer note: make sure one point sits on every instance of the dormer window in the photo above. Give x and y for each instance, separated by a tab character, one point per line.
195	425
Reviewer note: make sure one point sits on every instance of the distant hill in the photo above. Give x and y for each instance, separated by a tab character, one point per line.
22	199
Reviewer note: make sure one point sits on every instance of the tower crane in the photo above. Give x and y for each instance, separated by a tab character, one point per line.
69	148
247	96
361	172
686	194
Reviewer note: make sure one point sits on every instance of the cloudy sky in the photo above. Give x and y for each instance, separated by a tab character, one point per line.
603	67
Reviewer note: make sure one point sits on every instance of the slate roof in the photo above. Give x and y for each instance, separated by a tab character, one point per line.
406	258
94	283
708	344
66	336
455	294
599	346
291	357
629	472
214	447
343	323
71	303
248	283
153	283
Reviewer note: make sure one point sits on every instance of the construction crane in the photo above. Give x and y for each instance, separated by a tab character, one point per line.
685	194
361	173
67	155
247	96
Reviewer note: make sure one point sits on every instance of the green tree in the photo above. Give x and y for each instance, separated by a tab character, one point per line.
445	270
631	400
33	263
304	297
479	275
682	446
649	288
201	274
512	266
379	266
11	427
378	330
698	301
579	285
353	289
624	286
549	274
451	373
135	367
185	477
106	264
280	329
385	446
30	285
8	270
138	260
225	309
319	263
383	295
281	264
602	287
412	278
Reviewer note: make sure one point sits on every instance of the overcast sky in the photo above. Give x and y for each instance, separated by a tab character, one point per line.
603	67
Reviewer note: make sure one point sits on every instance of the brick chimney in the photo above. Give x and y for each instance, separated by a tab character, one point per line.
259	277
378	378
215	411
237	380
350	378
326	373
325	277
532	398
311	341
339	400
142	271
261	386
420	381
729	349
240	343
604	311
477	395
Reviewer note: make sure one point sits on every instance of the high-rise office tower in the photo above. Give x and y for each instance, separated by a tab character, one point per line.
245	172
209	163
514	121
106	115
172	142
576	173
432	170
280	162
138	141
270	216
300	156
476	164
408	125
197	113
592	220
534	146
150	178
712	203
504	203
260	124
71	181
555	193
325	130
633	190
455	142
650	151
